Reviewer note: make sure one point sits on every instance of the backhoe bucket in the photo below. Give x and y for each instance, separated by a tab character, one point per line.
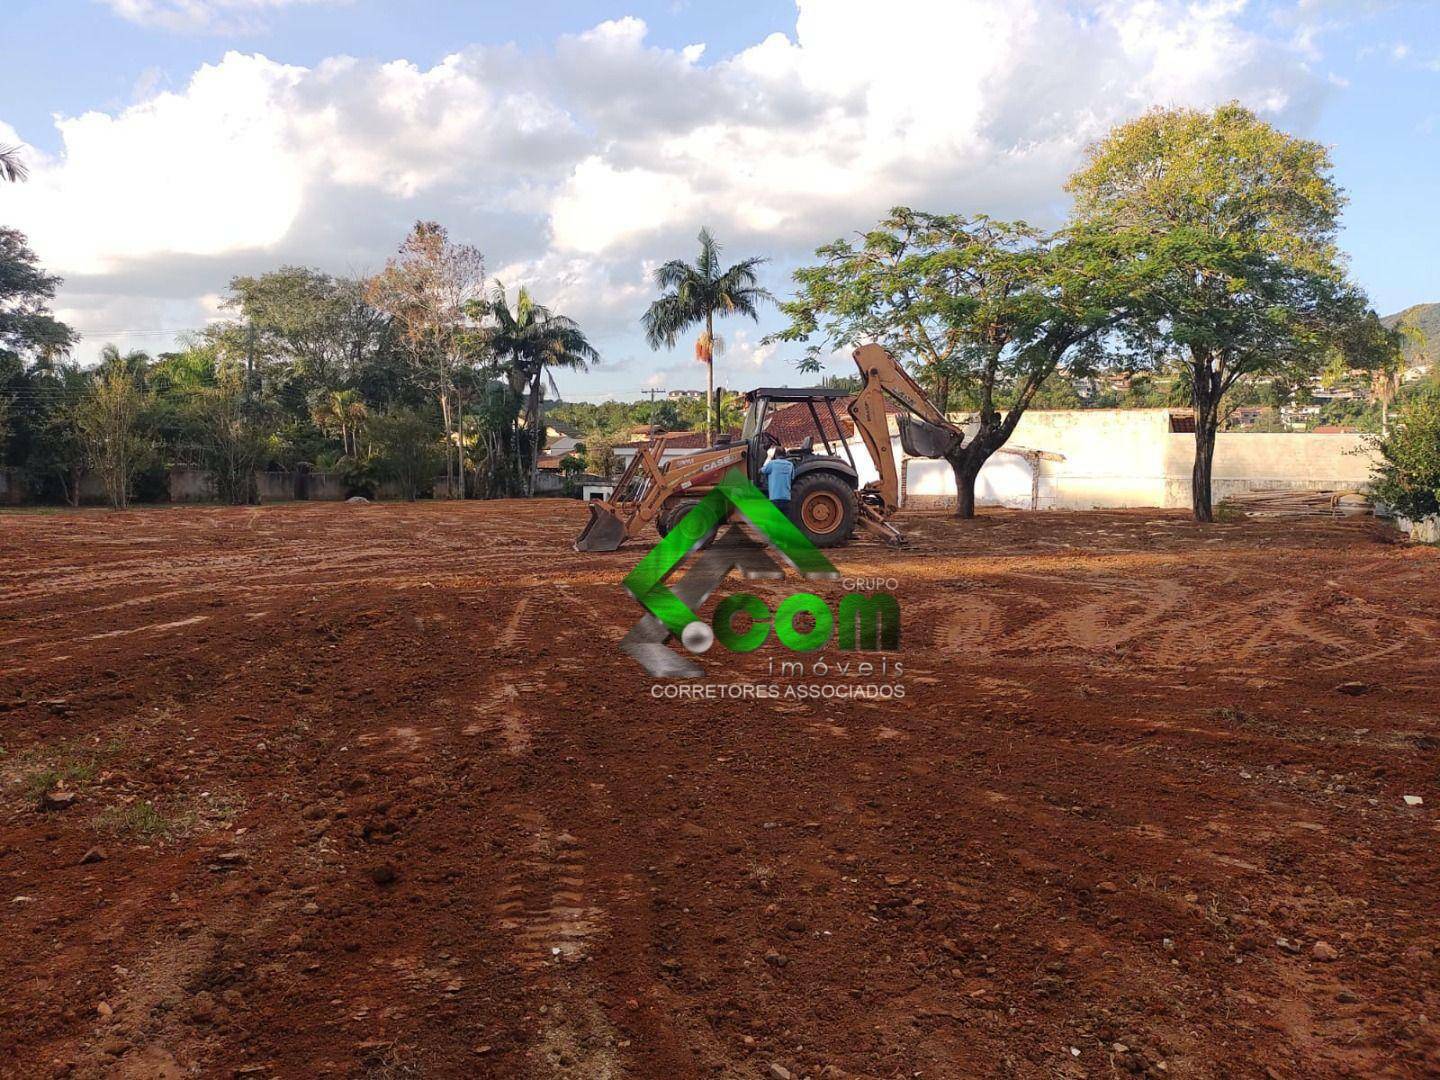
921	439
605	531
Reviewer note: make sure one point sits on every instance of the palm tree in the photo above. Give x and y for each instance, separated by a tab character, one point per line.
530	340
11	167
135	363
358	413
696	294
343	411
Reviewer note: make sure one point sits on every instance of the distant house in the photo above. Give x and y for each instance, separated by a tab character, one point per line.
560	438
792	424
677	444
1299	417
564	444
683	395
560	443
1247	416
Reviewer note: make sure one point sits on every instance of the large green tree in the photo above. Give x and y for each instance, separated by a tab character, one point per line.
408	448
342	411
44	436
694	295
27	328
32	343
319	327
1407	475
983	311
135	364
1223	230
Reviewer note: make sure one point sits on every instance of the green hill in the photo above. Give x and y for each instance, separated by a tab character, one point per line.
1426	319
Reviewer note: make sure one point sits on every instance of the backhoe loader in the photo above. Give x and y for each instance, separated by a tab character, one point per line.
827	500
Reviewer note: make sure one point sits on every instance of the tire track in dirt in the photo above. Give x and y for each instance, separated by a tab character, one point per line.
501	715
544	902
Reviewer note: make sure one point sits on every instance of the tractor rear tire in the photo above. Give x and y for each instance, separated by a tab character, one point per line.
823	506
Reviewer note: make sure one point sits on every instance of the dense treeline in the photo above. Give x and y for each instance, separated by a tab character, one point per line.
425	370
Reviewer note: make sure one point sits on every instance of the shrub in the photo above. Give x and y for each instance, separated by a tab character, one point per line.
357	476
409	450
1408	477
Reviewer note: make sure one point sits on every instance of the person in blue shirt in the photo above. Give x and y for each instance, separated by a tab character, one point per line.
777	474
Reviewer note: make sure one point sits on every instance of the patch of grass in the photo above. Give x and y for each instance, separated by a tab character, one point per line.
63	773
142	821
75	760
36	783
1228	714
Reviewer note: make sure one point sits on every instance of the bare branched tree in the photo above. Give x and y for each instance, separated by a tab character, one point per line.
425	289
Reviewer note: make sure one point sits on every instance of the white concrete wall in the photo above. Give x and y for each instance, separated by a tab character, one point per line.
1125	458
1130	458
1424	531
1265	461
1112	457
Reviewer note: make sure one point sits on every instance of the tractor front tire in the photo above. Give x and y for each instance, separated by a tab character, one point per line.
823	506
672	510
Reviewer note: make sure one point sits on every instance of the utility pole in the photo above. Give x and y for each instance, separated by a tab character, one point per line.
652	392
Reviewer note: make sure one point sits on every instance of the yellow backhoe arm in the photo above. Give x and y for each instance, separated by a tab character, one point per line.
930	434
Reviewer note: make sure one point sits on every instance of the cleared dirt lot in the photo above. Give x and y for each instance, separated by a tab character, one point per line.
375	793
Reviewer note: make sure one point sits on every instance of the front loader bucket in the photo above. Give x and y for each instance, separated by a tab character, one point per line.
920	439
605	531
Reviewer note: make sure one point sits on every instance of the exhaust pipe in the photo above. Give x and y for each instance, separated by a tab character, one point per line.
604	532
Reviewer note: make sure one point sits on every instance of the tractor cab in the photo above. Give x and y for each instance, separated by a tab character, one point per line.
794	420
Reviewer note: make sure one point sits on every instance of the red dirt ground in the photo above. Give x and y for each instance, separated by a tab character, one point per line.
1141	769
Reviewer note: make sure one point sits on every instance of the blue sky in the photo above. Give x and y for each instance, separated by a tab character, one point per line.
174	143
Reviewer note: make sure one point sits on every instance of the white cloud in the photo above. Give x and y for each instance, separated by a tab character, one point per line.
793	140
744	349
210	16
200	173
252	152
600	206
577	171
